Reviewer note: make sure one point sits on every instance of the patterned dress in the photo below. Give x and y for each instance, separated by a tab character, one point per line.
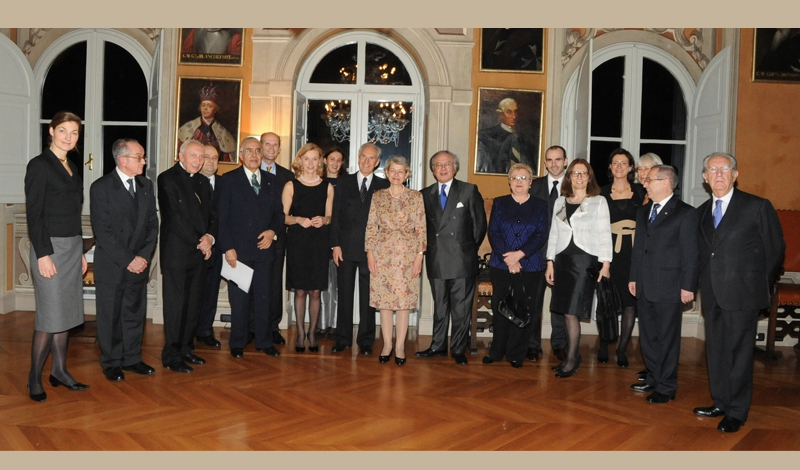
396	234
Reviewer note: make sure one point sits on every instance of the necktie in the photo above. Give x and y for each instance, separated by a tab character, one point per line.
363	189
269	168
654	213
256	185
717	212
443	196
130	187
553	195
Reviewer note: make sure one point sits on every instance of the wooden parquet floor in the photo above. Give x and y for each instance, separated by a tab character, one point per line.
322	401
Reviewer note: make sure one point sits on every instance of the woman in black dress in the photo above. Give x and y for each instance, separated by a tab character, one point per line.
335	166
53	198
308	203
624	197
579	246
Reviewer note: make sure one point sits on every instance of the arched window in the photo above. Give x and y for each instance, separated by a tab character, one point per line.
102	76
362	87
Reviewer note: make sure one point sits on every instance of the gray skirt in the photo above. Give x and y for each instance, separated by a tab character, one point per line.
59	301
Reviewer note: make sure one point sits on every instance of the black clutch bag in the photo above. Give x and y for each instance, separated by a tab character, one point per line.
609	304
515	312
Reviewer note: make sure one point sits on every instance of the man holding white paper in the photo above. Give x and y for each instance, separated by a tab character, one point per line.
250	214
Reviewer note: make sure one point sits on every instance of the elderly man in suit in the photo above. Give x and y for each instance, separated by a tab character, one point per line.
351	201
456	225
250	215
663	277
548	189
270	150
741	251
188	230
125	225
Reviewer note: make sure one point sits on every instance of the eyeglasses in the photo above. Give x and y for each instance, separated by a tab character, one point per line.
137	158
519	178
723	169
650	180
248	151
580	174
442	165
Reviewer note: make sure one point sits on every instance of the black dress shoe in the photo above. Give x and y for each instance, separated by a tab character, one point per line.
40	397
339	347
516	365
193	359
77	386
563	374
384	359
659	398
140	368
366	351
460	359
270	351
560	354
487	360
642	374
533	355
210	341
642	387
399	360
729	424
114	374
238	353
431	353
278	338
602	355
179	366
709	411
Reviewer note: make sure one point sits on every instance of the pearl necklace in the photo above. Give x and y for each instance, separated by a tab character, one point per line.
303	177
398	196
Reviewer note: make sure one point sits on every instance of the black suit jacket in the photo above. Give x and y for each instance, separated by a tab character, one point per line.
350	215
124	227
664	257
283	176
455	233
243	215
187	213
742	257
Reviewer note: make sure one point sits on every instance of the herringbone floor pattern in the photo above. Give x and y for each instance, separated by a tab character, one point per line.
345	401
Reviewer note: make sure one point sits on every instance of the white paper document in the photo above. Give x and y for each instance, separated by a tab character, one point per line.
242	274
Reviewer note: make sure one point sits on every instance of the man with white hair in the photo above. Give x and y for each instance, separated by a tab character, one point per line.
502	145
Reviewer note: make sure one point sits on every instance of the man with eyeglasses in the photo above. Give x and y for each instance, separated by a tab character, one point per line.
188	231
456	226
663	277
741	251
548	189
250	216
270	150
125	225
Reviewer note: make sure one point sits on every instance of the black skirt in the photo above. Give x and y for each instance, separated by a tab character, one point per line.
573	287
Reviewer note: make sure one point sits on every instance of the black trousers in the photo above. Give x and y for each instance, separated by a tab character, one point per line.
251	307
208	311
730	346
183	298
536	290
508	339
346	274
660	338
276	284
452	298
121	311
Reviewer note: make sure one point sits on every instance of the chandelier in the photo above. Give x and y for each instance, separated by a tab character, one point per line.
338	120
386	121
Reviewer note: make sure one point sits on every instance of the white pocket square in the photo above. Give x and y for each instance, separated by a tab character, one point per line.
459	205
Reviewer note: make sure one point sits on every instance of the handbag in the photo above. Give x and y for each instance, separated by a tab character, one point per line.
515	312
609	304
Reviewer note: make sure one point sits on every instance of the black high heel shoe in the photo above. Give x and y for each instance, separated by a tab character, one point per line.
558	367
399	360
40	397
622	360
312	348
385	359
77	386
602	353
299	348
563	374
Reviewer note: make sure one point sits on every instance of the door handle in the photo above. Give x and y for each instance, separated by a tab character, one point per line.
90	162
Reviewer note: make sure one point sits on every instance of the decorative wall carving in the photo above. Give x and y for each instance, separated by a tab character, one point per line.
690	39
34	34
25	278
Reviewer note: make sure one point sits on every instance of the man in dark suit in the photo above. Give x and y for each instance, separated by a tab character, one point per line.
188	230
351	201
548	189
270	150
205	324
741	251
663	277
250	215
456	224
125	225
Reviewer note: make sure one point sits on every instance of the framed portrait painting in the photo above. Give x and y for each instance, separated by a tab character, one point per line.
211	46
776	55
208	111
509	130
512	49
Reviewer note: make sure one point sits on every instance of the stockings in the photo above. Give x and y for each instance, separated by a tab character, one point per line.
300	312
573	339
626	331
386	332
41	345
